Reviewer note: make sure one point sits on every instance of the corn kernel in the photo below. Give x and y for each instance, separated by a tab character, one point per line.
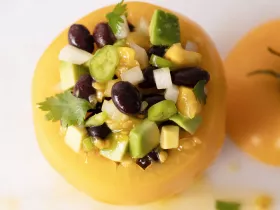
98	86
162	156
263	202
126	161
99	96
127	124
101	144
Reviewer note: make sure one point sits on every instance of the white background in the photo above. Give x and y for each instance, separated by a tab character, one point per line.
26	180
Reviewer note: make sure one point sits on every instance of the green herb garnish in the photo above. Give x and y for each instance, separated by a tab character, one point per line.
65	107
199	92
224	205
114	18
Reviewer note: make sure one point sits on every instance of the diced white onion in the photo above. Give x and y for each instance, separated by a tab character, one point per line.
74	55
143	26
108	107
123	29
133	75
162	78
172	93
140	55
191	46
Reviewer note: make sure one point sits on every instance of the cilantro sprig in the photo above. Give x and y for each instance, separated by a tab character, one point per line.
199	91
224	205
114	18
65	107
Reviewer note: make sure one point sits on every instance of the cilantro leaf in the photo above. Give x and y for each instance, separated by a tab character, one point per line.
114	18
65	107
199	91
223	205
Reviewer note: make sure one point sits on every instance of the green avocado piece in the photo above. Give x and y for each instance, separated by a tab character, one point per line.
189	125
70	74
162	111
97	119
160	62
121	43
87	144
169	137
164	29
118	148
143	139
74	137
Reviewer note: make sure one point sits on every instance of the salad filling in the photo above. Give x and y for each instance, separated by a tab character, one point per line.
128	91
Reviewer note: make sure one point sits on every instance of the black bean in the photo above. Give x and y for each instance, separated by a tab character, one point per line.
126	97
144	162
80	37
101	131
94	111
149	81
189	76
157	50
83	88
153	155
168	122
103	35
130	26
153	99
108	98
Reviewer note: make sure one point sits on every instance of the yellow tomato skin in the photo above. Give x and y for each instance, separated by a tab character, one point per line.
253	101
102	179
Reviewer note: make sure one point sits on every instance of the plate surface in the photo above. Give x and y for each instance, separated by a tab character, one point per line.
28	182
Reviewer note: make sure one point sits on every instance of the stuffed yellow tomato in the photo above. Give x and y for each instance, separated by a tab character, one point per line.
130	123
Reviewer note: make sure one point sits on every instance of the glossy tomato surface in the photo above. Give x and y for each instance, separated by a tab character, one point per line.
253	101
103	179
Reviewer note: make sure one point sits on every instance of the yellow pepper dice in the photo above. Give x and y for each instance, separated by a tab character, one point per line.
127	60
181	57
187	104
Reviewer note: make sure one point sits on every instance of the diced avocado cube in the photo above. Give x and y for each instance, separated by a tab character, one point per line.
160	62
118	148
74	136
162	111
143	139
169	137
189	125
70	74
87	144
164	29
97	119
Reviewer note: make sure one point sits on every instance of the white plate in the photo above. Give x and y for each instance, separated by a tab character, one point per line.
26	180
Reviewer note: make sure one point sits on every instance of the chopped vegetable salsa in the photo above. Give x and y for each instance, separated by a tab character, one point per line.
130	98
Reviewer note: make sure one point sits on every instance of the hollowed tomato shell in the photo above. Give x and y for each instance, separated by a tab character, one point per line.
103	179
